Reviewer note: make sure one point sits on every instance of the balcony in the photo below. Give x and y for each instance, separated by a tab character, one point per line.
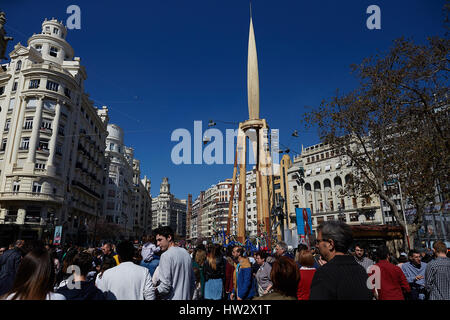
31	196
33	219
85	188
46	130
42	150
10	219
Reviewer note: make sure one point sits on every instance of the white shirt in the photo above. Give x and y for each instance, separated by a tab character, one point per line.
176	275
127	281
148	250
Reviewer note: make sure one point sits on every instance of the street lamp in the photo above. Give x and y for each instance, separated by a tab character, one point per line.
280	215
51	221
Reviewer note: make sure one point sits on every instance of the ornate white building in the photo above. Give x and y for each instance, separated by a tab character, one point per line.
141	202
326	174
52	141
168	210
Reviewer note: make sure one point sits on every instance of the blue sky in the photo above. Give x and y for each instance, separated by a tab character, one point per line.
160	65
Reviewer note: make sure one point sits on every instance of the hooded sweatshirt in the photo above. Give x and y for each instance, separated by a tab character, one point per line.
87	291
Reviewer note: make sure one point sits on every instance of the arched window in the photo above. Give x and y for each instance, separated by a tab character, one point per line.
337	182
19	65
317	185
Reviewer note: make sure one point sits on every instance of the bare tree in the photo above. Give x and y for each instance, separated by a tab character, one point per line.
395	125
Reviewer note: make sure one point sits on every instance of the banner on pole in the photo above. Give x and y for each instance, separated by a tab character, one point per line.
57	237
304	223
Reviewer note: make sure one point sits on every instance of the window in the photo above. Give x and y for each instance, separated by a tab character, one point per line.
67	92
7	124
47	28
11	104
39	166
111	146
2	90
24	144
61	130
14	88
34	84
52	85
19	65
46	124
37	187
32	103
49	105
38	47
28	124
16	186
295	188
55	30
53	51
59	148
43	145
354	203
4	141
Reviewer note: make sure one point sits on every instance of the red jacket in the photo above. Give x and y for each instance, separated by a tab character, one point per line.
304	285
393	282
229	285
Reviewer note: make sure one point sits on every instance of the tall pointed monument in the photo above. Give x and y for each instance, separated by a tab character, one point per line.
256	130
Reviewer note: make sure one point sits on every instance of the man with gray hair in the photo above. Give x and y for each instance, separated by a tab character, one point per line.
341	278
281	250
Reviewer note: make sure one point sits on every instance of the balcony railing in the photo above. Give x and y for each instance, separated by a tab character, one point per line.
31	195
46	130
10	218
44	150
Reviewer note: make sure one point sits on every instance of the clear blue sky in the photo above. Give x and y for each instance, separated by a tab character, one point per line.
159	65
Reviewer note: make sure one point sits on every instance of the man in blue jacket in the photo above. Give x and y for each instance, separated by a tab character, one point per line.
9	263
244	282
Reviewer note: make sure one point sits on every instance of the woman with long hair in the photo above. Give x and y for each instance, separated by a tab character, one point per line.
229	272
35	278
214	274
199	263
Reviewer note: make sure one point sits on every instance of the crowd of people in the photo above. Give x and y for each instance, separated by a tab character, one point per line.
159	269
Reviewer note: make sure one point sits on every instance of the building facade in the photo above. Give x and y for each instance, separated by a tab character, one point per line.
326	175
168	210
53	138
141	202
119	187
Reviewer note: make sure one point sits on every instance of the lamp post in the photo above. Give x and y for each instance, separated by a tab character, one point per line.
280	214
341	215
51	220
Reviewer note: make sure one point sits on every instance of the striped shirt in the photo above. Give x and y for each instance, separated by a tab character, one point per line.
437	277
365	262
